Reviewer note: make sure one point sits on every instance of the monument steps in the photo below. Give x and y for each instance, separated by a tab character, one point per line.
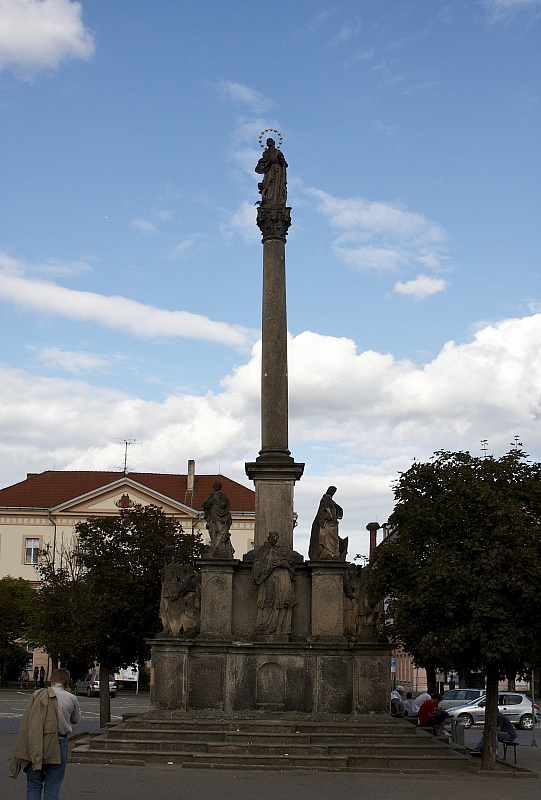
272	743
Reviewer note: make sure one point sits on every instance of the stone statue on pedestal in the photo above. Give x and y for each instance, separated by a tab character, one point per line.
274	572
273	187
181	596
217	513
324	540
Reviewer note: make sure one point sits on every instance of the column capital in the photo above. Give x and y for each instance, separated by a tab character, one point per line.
274	222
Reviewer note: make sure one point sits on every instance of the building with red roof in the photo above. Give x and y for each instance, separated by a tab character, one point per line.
44	509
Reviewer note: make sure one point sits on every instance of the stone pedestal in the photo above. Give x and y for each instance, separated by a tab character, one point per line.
274	479
216	597
328	599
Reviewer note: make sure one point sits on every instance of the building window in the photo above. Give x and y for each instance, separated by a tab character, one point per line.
31	551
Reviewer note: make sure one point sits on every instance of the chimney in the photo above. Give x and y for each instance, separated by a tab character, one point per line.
373	527
31	475
190	482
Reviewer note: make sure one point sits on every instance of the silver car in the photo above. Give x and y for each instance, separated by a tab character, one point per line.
516	706
459	697
90	685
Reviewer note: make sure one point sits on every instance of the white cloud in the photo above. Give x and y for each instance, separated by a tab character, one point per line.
115	312
422	286
243	221
244	95
504	10
345	33
356	418
76	362
381	236
39	34
144	225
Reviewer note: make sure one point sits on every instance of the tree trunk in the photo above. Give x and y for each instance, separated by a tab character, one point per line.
491	712
511	683
431	682
105	698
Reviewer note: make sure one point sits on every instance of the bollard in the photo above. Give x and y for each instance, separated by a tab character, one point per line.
457	732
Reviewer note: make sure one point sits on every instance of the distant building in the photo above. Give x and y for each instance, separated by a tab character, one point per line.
44	509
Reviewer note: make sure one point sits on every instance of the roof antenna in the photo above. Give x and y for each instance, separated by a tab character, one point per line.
516	443
484	447
127	443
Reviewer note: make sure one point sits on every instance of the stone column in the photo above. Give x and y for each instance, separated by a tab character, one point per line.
216	598
328	599
274	472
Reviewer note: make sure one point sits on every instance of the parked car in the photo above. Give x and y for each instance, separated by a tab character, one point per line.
516	706
459	697
90	685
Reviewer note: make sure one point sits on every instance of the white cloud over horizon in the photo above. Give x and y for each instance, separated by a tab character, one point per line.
120	313
39	34
379	236
358	418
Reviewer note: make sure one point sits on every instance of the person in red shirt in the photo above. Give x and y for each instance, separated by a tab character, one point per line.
430	716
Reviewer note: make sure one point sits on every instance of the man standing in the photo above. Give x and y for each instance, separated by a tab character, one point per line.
42	745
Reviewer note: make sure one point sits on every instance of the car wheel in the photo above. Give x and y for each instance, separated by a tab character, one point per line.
75	691
113	694
465	719
526	722
89	692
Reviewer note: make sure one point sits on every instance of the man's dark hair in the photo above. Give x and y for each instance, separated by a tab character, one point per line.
409	696
61	676
435	696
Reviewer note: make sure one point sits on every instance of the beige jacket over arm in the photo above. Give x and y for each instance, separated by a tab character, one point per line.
37	743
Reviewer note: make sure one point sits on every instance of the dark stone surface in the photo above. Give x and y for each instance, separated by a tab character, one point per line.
207	681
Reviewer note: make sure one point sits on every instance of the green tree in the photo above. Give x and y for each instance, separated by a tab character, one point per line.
462	572
16	611
110	589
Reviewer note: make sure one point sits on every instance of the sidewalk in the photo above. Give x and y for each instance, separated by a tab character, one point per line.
139	783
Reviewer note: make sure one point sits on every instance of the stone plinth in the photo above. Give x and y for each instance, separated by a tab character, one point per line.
303	677
327	599
216	597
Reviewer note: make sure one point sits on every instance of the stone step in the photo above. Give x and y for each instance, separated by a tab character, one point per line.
268	726
383	763
240	736
103	743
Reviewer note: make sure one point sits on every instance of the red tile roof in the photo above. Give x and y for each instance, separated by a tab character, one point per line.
53	488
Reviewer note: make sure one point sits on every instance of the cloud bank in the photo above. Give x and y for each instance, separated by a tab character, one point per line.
357	418
39	34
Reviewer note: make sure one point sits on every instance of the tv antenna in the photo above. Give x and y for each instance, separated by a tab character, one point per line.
484	447
126	443
516	443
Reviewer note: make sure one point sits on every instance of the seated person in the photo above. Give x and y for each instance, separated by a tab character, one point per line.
505	731
418	702
432	717
397	706
408	705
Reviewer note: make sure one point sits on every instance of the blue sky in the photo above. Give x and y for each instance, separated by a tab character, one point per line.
130	263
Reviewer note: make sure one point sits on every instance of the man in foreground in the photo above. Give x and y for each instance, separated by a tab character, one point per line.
42	745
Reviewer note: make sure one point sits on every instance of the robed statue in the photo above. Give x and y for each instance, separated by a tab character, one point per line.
274	572
324	540
180	601
218	516
273	187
